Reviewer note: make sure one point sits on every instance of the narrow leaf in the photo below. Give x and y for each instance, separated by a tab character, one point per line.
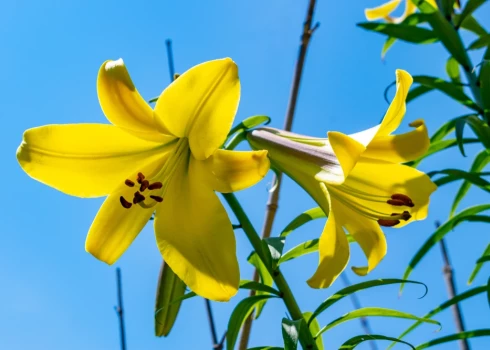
358	287
453	337
439	234
459	130
170	287
258	287
409	33
480	43
417	91
478	265
471	24
456	174
265	278
452	70
439	146
355	341
304	248
376	312
314	327
481	129
468	10
485	88
303	218
290	333
275	246
239	315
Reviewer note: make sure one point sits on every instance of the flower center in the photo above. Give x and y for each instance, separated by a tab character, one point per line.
376	207
150	191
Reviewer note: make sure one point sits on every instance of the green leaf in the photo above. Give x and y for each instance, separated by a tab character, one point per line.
170	287
439	234
314	327
401	31
459	130
239	315
480	43
266	348
374	311
358	287
452	70
265	279
481	160
483	259
417	91
290	333
238	133
355	341
485	88
439	146
275	246
478	265
457	299
444	130
258	287
387	45
471	24
451	89
446	33
468	10
304	248
303	218
453	337
456	174
481	129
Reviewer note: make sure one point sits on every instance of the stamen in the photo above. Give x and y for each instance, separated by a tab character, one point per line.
406	215
388	223
141	177
125	203
155	186
138	197
396	202
157	198
144	185
129	183
404	198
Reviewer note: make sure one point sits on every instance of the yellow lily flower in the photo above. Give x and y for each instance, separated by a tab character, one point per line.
164	160
384	11
358	181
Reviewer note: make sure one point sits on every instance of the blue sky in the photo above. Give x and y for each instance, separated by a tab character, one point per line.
56	296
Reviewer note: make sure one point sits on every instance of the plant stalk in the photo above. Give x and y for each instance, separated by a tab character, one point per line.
119	309
272	203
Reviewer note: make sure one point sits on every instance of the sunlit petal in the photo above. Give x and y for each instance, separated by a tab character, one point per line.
195	236
347	150
230	171
84	160
122	104
383	11
333	252
201	105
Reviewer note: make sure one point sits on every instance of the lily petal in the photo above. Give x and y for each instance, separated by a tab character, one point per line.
115	227
382	178
366	232
396	111
383	11
333	251
84	160
347	150
400	148
195	236
201	105
122	104
231	171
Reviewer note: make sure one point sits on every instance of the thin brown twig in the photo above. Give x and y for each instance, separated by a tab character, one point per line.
272	203
451	291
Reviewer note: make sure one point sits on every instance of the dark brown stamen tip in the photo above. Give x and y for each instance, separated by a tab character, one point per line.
140	178
396	202
144	185
157	198
406	215
155	186
138	197
129	183
404	198
125	203
388	223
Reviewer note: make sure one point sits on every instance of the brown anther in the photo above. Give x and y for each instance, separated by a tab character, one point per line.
155	186
406	215
138	197
125	203
144	185
157	198
140	178
404	198
388	223
129	183
396	202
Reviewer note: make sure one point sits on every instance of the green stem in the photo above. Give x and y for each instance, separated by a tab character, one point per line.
306	338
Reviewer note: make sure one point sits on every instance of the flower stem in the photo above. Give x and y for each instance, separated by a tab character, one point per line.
306	338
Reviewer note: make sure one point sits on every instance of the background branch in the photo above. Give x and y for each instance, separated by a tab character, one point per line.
119	309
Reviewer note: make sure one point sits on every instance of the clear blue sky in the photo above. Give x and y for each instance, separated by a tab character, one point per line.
56	296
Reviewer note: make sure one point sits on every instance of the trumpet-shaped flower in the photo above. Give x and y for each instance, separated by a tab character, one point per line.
358	181
384	11
165	161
